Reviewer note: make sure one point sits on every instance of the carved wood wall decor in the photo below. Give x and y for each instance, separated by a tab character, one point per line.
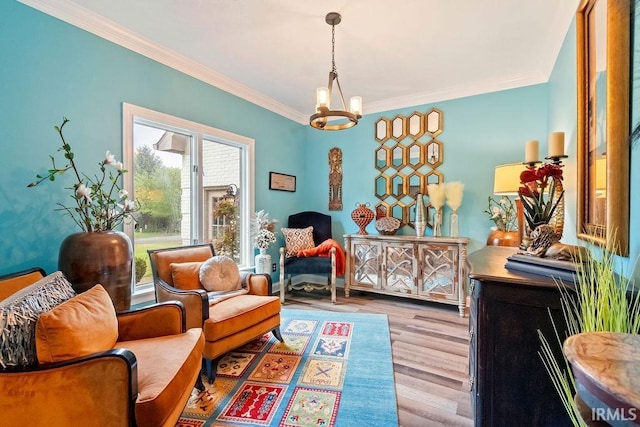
407	160
335	179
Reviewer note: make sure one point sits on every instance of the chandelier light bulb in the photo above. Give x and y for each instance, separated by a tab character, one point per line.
355	104
322	97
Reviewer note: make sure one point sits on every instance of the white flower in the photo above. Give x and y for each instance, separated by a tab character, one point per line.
109	158
262	230
97	201
264	238
436	195
83	192
454	192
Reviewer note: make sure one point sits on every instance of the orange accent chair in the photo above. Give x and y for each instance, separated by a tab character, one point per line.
227	324
144	379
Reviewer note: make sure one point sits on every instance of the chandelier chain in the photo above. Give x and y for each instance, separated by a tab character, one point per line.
333	49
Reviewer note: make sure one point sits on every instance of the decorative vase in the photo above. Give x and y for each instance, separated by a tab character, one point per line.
263	262
362	216
503	238
557	219
437	223
421	216
454	224
104	257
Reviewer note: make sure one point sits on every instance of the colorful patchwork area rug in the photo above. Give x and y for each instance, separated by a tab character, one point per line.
334	369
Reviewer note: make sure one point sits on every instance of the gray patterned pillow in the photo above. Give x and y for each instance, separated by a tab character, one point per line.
18	316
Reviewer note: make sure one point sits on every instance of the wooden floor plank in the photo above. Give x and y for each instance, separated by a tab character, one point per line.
430	349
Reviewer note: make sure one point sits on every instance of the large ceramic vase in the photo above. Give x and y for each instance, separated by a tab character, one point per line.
105	257
263	262
503	238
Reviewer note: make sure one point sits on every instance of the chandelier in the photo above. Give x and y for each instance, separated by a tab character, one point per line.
325	118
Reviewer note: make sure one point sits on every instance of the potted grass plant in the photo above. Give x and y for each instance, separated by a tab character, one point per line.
601	303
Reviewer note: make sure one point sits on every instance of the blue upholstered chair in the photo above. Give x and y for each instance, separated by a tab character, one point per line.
315	265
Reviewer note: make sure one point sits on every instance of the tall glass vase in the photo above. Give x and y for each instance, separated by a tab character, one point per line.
557	219
437	223
454	224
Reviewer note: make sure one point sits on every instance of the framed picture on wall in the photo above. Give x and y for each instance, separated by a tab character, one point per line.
282	182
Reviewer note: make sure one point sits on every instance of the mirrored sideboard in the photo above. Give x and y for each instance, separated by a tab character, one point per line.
426	268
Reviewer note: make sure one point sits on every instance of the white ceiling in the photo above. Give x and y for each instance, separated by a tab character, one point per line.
392	53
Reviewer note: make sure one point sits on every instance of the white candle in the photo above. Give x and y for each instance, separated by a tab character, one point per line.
322	96
556	144
356	105
531	152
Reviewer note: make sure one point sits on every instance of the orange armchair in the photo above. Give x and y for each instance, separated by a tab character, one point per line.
144	380
227	324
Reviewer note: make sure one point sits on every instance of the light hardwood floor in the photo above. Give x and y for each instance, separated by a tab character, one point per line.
430	347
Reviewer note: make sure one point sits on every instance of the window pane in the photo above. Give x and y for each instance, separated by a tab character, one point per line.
221	164
162	187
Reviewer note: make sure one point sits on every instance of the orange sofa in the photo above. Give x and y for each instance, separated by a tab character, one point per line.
143	378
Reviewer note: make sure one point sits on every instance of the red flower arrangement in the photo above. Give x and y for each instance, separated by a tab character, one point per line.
538	193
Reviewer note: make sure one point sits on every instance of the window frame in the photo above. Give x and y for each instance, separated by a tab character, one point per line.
132	114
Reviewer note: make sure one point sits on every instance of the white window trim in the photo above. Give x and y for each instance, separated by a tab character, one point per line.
131	112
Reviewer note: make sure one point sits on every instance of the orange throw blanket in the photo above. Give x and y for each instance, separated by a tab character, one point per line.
324	250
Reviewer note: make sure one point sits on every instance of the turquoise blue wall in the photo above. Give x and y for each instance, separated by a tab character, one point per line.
51	69
562	114
562	117
480	132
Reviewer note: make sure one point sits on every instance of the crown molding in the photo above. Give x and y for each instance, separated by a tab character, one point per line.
87	20
451	93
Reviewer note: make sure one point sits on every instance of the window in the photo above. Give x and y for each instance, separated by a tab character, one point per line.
194	184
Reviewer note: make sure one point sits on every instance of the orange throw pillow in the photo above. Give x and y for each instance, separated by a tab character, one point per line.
186	275
85	324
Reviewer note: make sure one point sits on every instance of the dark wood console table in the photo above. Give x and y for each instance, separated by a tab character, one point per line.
508	382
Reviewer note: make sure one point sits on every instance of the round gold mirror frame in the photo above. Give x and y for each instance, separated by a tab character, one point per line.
614	233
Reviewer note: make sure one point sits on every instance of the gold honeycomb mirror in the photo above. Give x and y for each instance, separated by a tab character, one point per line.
407	159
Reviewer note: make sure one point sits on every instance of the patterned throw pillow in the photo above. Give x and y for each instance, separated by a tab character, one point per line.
298	239
19	314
